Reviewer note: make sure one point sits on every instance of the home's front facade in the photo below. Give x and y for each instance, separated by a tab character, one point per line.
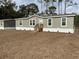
57	23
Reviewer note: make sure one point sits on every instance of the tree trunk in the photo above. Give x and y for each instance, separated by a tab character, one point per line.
65	8
46	8
52	3
61	7
41	6
58	6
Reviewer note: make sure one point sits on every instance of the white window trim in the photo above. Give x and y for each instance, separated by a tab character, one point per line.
40	21
66	22
21	21
32	22
51	22
29	23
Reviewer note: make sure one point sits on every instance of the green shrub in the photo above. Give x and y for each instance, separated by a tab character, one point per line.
76	21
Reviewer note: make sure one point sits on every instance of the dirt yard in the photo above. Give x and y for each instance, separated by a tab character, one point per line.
38	45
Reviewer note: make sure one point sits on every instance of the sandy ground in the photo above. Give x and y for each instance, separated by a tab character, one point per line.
38	45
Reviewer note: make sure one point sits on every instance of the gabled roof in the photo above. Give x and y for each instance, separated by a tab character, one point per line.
43	16
47	16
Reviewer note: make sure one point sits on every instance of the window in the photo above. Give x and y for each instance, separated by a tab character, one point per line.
20	22
32	22
49	22
64	21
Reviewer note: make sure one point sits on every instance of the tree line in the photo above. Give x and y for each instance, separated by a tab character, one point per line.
61	4
8	9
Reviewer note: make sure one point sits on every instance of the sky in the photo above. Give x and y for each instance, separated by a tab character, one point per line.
71	9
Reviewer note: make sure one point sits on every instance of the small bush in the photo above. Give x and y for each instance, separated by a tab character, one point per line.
76	21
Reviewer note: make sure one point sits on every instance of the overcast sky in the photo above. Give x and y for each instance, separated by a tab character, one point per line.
70	9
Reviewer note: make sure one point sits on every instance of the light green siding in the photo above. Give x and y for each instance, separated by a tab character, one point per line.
1	23
56	22
26	22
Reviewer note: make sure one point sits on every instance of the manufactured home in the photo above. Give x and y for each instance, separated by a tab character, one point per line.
55	23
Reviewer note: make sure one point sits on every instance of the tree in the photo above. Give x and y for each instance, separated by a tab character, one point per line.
52	9
53	2
65	5
32	9
76	21
59	1
7	9
41	1
26	10
46	2
66	1
23	10
5	2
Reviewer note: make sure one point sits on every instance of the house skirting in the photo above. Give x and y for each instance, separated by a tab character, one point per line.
2	28
24	28
58	30
66	30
